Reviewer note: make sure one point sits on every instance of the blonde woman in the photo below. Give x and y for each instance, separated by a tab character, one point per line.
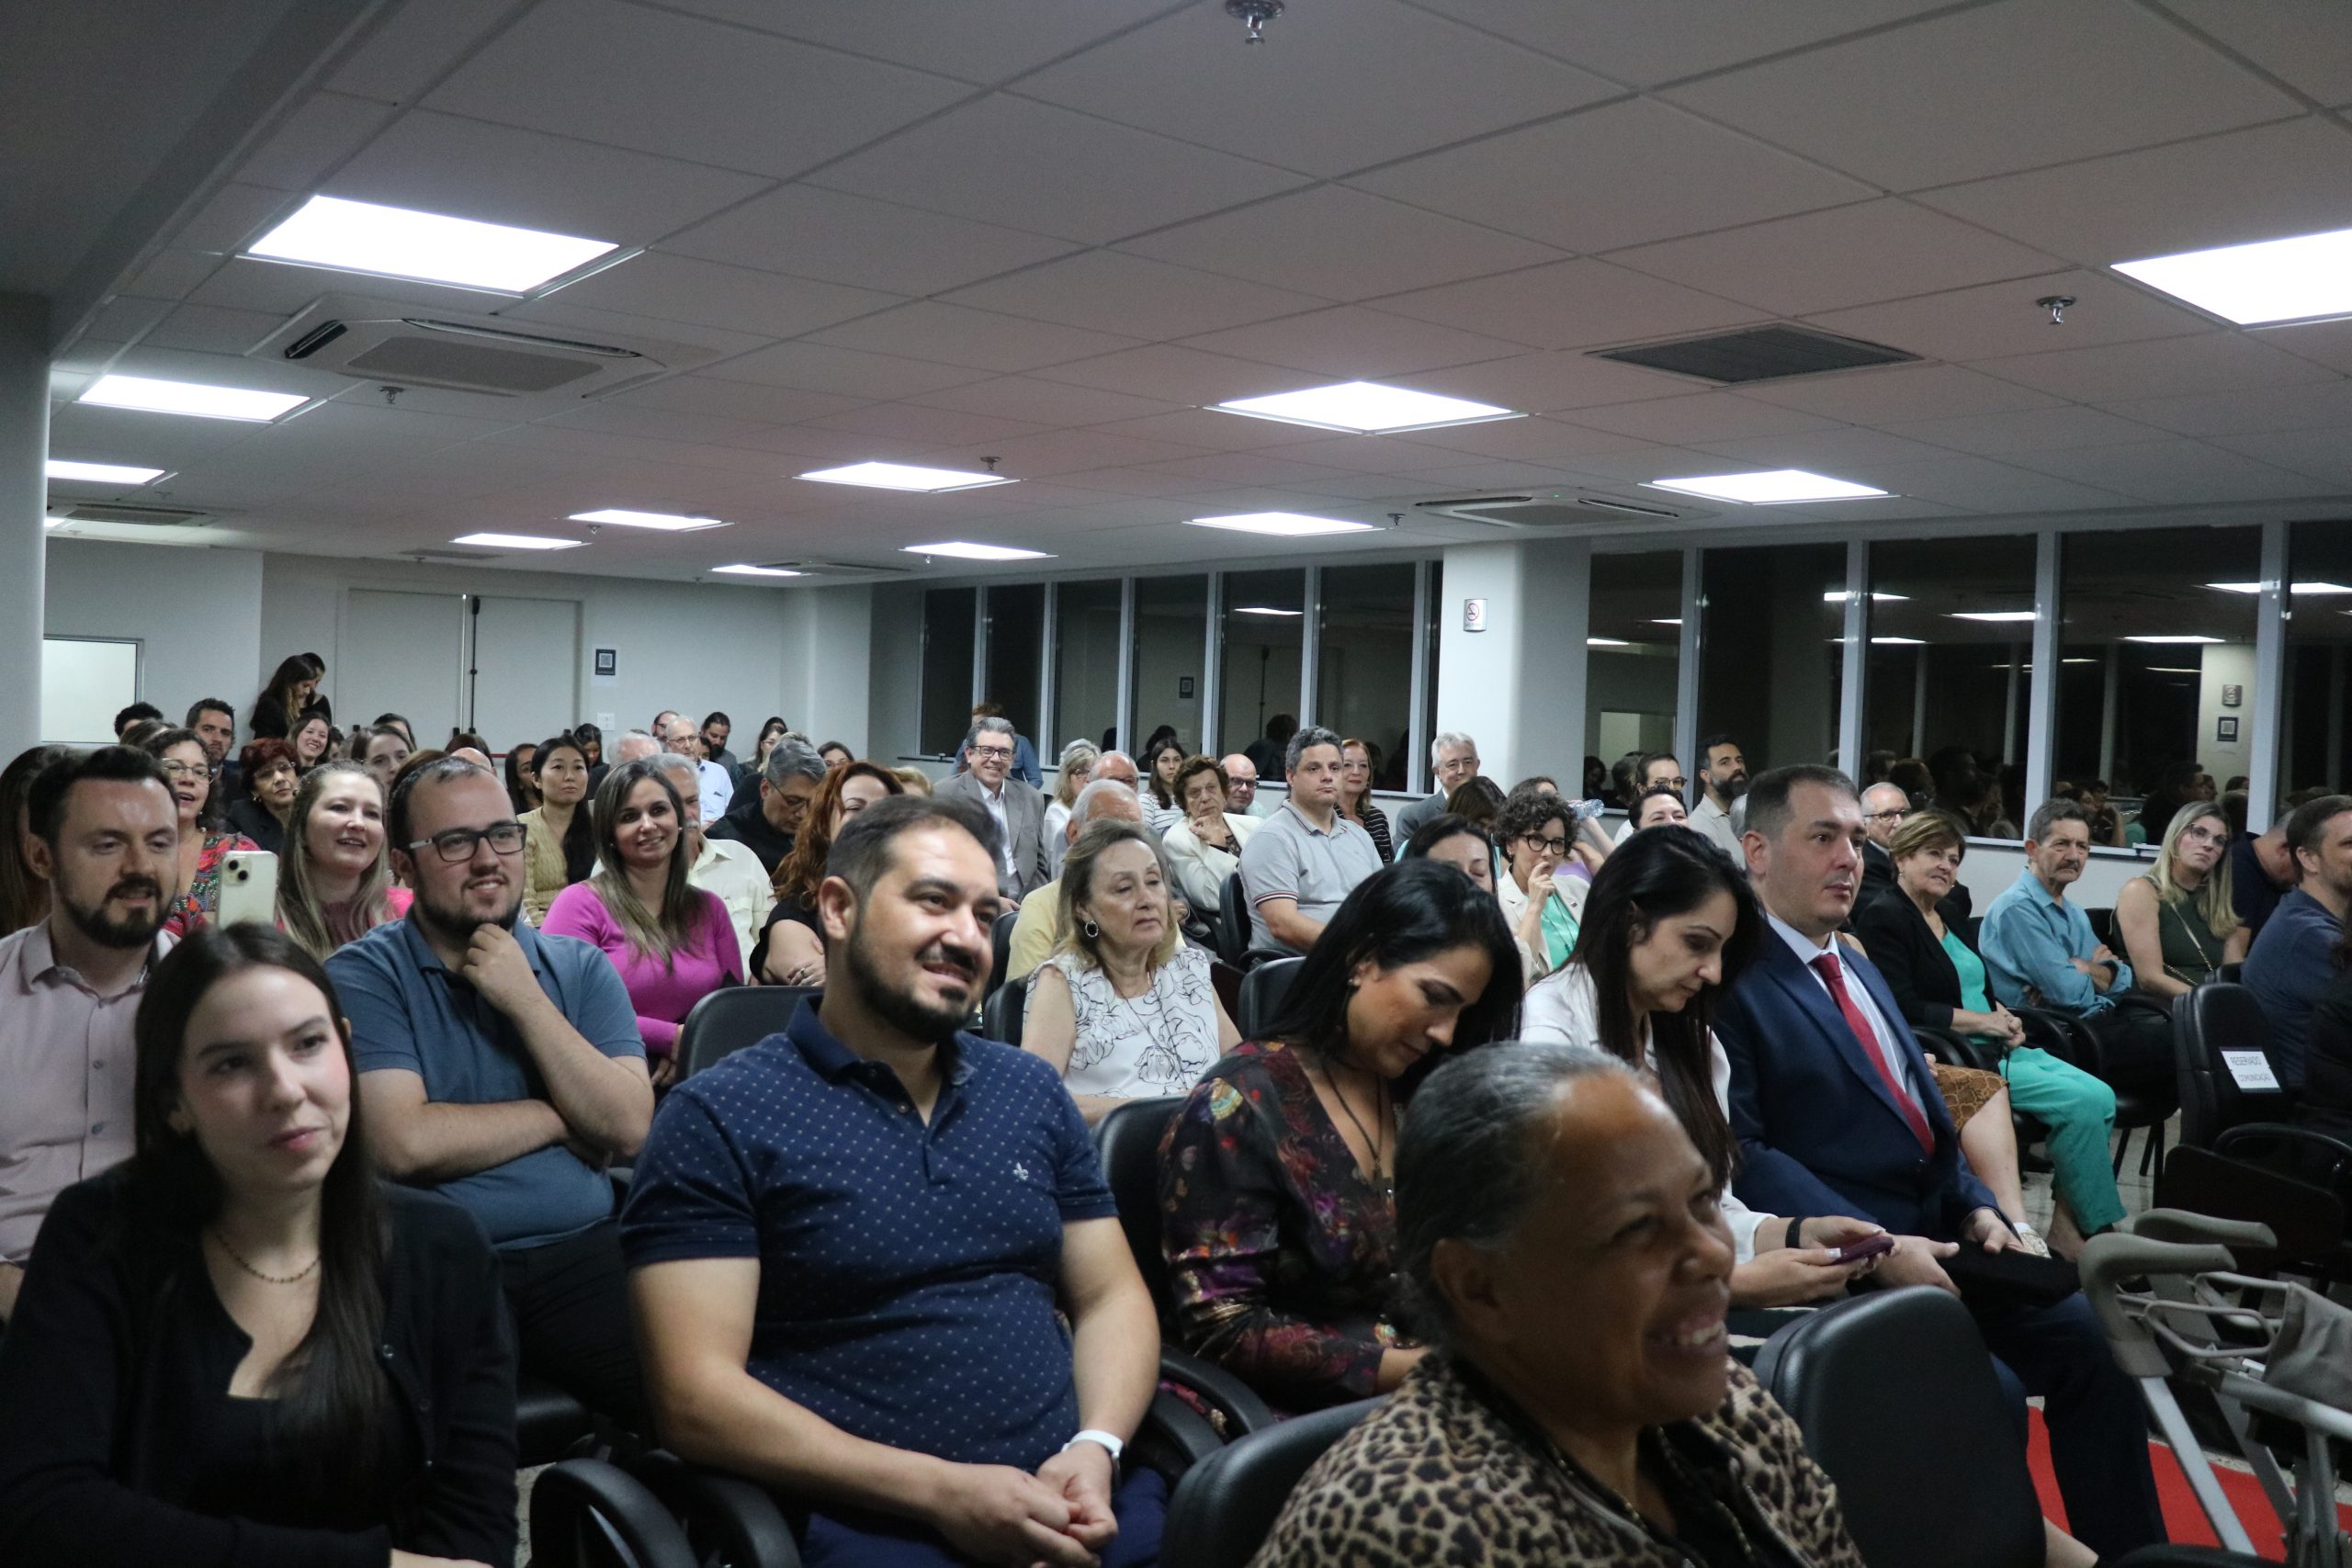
673	943
1071	773
334	884
2175	920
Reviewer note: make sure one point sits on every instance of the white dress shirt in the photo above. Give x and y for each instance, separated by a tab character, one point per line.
994	800
1889	1043
717	786
734	873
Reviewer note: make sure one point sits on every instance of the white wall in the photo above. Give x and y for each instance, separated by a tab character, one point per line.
198	612
829	664
2230	664
894	689
1989	869
1519	686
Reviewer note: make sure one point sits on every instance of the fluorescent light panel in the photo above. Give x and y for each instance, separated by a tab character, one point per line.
1266	610
102	473
1366	408
904	476
2310	590
965	550
154	396
1281	524
1676	622
2174	670
394	242
1779	487
1606	642
2172	637
745	569
1994	615
1900	641
2270	280
668	522
1837	596
518	542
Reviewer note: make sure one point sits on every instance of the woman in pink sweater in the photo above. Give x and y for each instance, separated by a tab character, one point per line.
673	944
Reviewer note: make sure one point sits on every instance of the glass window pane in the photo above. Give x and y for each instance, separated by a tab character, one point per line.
949	615
1769	656
1086	666
2158	679
1171	647
1264	637
1635	659
1363	672
2319	645
1016	638
1950	695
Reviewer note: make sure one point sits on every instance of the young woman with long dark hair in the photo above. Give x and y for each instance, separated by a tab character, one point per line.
24	897
1669	925
559	834
277	711
237	1347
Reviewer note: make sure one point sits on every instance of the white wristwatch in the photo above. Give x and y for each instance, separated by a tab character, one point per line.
1091	1435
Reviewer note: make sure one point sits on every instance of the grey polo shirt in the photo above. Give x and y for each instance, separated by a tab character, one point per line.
1291	858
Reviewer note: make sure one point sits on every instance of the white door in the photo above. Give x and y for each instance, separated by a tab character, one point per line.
527	670
400	653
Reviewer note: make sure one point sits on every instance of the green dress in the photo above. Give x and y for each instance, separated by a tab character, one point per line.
2191	952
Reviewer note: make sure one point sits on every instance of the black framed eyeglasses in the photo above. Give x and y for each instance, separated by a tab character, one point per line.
458	844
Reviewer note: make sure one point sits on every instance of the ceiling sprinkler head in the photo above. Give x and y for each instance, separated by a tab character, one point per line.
1256	14
2057	305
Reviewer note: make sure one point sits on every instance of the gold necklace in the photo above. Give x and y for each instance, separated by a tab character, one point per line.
239	1259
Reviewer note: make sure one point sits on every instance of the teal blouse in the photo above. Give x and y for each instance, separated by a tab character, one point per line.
1973	997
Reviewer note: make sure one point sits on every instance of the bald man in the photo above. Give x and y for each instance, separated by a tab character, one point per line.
1241	787
1884	808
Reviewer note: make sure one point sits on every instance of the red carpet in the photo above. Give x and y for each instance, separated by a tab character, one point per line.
2185	1522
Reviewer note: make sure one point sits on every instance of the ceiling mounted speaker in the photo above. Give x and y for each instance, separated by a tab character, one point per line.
370	340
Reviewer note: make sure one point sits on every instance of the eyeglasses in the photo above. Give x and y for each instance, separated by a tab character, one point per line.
187	771
1677	782
999	753
1552	846
2200	835
458	844
1896	816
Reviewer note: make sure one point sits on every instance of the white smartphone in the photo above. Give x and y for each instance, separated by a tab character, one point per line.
248	888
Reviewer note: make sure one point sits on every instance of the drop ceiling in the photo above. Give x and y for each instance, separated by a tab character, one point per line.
1051	231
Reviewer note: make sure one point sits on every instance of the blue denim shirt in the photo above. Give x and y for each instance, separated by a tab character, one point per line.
2027	939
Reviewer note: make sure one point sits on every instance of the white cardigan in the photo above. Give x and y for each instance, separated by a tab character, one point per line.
1563	1008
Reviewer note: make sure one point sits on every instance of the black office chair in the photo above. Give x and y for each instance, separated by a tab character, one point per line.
1000	948
1001	1014
549	1423
1233	923
727	1020
2102	924
2221	1055
1225	1506
1263	992
588	1514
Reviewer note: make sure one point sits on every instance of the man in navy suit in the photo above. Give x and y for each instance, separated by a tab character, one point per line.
1837	1113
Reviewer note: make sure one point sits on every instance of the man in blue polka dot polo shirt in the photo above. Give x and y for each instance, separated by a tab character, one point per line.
852	1245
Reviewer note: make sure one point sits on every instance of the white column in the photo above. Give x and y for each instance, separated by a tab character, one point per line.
1686	673
2040	744
2265	708
1517	687
1854	672
24	499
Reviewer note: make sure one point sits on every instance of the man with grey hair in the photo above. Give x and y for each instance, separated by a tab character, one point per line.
1885	807
767	819
1018	811
680	738
634	744
722	866
1297	868
1039	929
1453	762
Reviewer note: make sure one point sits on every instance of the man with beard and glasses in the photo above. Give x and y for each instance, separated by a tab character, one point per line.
105	836
501	1068
851	1246
1723	778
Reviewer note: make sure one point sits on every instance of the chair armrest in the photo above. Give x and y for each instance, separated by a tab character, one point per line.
1955	1049
584	1508
1257	955
1173	1438
1237	1408
2062	1036
2313	1143
725	1517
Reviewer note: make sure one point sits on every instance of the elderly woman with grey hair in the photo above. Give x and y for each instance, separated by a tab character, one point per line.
1558	1233
1071	771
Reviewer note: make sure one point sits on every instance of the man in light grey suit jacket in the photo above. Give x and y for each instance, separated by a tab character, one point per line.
1018	811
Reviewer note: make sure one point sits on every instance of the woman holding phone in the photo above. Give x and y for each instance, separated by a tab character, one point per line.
187	768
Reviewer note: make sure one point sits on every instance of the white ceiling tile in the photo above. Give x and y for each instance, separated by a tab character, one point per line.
608	446
323	129
1639	465
557	310
2306	43
1620	175
1353	344
680	288
1998	318
1882	394
1209	430
803	446
1340	244
1982	485
1843	257
1845	452
953	334
157	440
1660	40
819	367
2273	180
211	330
1046	170
1045	403
829	234
1245	469
2323	342
1113	292
2247	413
1990	90
656	423
2174	472
1074	451
126	320
1537	439
2323	455
242	283
1551	383
418	41
500	174
1323	96
657	82
172	273
1703	416
1574	304
735	400
233	215
1357	454
931	426
2035	430
1458	478
2168	367
1176	374
976	40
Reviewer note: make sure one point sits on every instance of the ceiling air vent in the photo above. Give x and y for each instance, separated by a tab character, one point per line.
370	340
1762	354
142	516
1561	509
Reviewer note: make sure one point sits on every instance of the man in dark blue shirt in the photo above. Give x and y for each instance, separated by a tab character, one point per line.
2289	964
850	1246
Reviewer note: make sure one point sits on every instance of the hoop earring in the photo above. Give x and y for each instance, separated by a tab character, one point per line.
1090	929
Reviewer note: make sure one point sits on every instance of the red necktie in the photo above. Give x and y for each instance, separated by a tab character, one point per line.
1826	967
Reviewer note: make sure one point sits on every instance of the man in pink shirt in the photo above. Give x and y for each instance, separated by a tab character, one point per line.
105	839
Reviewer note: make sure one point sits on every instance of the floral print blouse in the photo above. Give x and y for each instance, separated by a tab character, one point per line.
201	901
1280	1254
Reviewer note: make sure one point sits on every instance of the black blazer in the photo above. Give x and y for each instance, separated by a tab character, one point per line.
119	1346
1917	970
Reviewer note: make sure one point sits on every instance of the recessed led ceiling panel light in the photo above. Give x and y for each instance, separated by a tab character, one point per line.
903	476
2174	670
2172	637
1266	610
518	542
1837	596
1900	641
1779	487
2270	280
668	522
393	242
1281	524
102	473
1992	615
2314	590
153	396
744	569
1366	408
964	550
1675	622
1606	642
